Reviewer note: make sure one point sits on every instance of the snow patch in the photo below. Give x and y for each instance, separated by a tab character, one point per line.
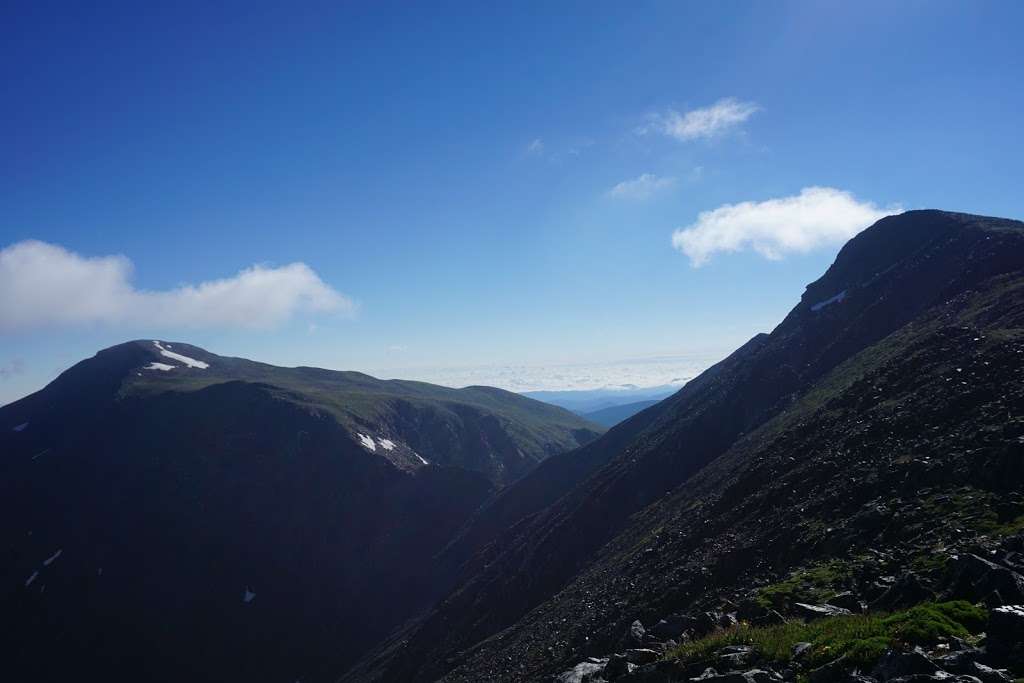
51	558
159	366
368	443
29	580
386	444
828	302
191	362
21	427
422	459
248	596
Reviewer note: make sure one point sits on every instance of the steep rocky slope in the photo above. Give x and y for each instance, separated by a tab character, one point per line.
895	297
170	514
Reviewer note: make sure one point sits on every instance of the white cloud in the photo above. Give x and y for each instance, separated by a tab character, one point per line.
536	147
46	285
709	122
815	217
642	187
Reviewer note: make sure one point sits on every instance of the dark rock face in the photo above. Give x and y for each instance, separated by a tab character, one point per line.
981	579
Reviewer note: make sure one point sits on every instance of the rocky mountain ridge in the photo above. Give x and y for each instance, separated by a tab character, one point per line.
908	346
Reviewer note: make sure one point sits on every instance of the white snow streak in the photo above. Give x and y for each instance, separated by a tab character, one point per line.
386	444
51	558
191	362
827	302
368	443
159	366
21	427
29	580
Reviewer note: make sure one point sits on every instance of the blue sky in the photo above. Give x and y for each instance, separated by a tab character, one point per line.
446	174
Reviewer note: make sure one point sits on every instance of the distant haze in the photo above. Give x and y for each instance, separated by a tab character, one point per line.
616	375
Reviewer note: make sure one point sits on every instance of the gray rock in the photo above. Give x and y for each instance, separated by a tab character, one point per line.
659	672
895	665
751	676
618	666
800	649
636	632
960	660
978	579
987	674
828	673
905	592
672	626
812	612
1005	635
582	672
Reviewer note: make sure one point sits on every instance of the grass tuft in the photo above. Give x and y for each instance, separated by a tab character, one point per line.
861	638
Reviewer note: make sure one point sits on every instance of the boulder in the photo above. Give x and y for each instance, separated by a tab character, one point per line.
636	632
751	610
665	671
734	656
749	676
706	622
812	612
1005	636
905	592
618	666
582	672
801	649
894	665
829	673
961	660
987	674
981	579
672	626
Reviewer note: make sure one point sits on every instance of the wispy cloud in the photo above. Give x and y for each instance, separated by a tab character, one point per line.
45	285
721	117
12	369
642	187
535	147
816	217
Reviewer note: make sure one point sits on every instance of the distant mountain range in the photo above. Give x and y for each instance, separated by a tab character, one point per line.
584	401
613	415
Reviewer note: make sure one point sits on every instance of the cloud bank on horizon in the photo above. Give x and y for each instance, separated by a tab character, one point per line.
45	285
818	216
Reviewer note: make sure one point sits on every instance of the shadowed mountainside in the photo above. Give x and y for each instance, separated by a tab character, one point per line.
553	526
271	523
